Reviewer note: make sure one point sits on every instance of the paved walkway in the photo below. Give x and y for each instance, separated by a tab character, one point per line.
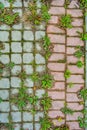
62	58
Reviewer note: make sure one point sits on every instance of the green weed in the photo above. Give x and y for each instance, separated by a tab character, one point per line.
63	127
45	123
67	74
83	36
70	85
35	76
83	4
1	6
67	110
1	100
65	21
47	81
46	102
82	122
83	94
10	65
78	54
79	64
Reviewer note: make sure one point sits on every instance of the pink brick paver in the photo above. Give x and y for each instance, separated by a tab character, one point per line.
64	44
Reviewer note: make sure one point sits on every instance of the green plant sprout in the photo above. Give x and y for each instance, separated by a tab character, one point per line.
22	75
79	64
35	76
67	110
65	21
63	127
47	81
46	102
46	43
45	123
1	6
82	122
83	36
78	54
83	94
10	65
70	85
1	100
83	4
67	74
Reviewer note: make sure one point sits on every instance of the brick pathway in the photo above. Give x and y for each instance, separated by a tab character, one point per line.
65	42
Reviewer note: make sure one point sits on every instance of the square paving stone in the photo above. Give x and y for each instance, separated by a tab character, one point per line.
17	26
15	82
28	69
14	107
17	3
4	36
16	36
16	58
38	46
4	59
16	47
18	11
4	107
28	58
17	126
40	93
39	115
29	82
27	46
37	126
40	68
39	59
28	126
14	91
4	27
16	116
28	35
39	35
6	48
4	94
27	116
4	117
4	83
16	70
5	2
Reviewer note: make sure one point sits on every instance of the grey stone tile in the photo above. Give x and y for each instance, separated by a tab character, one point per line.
5	59
28	69
39	59
16	47
26	3
17	26
39	35
29	82
37	126
4	117
27	116
6	48
16	70
38	115
4	107
4	27
4	94
28	35
16	116
4	36
40	93
14	107
28	126
4	83
5	2
16	58
38	46
14	91
28	58
27	46
17	126
19	11
17	3
16	36
15	82
40	68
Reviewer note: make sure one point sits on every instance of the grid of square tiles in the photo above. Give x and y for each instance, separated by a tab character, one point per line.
22	47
